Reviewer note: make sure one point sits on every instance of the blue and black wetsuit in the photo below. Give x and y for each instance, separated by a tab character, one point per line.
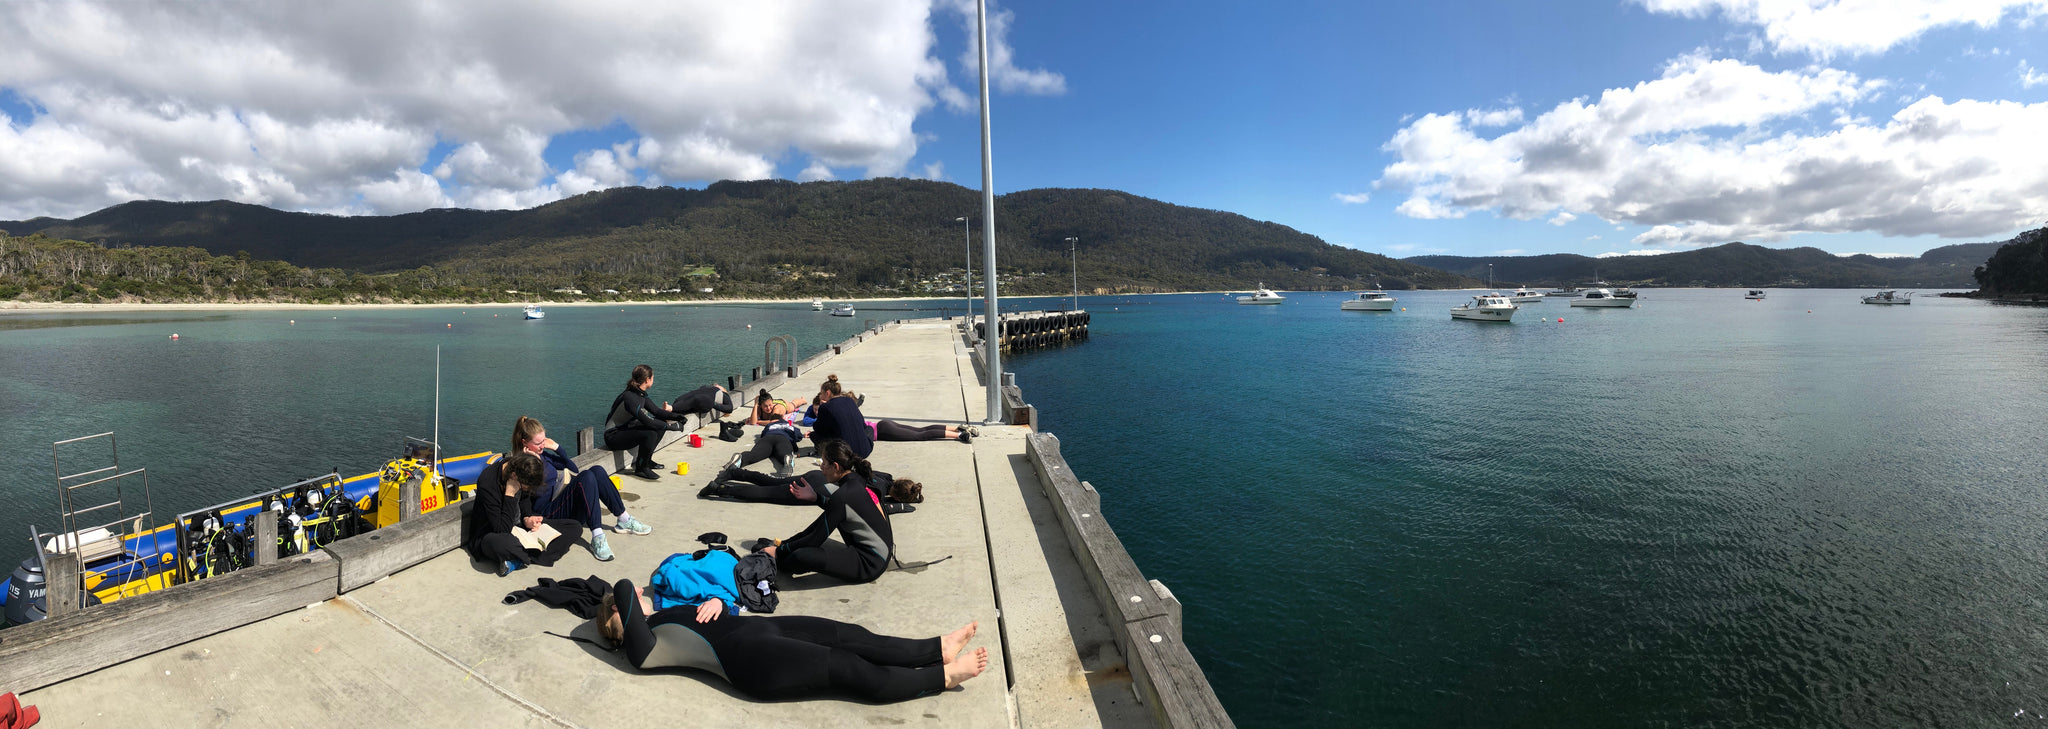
851	512
782	658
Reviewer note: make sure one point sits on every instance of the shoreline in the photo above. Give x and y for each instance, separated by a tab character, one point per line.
14	307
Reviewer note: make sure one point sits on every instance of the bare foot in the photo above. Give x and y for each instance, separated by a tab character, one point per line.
952	643
958	671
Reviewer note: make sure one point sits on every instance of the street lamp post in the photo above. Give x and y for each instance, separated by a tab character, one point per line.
1075	261
969	239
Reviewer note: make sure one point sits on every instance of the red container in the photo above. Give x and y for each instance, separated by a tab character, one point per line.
696	441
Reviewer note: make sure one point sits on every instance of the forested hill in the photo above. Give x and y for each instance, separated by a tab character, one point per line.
2020	267
1734	265
771	236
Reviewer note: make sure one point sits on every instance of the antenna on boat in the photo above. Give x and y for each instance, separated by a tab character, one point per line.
436	458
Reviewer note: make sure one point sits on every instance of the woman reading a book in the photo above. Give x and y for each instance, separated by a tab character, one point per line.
503	526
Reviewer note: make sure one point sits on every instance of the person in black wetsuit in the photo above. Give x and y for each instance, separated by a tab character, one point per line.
504	499
785	657
636	422
705	400
839	418
853	511
742	485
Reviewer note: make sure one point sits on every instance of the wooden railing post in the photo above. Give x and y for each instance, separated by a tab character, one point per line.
264	544
60	583
586	439
409	500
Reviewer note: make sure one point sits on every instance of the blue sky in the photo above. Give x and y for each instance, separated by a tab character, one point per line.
1470	128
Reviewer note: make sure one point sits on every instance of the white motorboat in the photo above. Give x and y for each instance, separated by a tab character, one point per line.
1525	296
1757	294
535	312
1486	307
1264	296
1369	301
1889	296
817	304
1563	292
843	310
1604	297
1624	293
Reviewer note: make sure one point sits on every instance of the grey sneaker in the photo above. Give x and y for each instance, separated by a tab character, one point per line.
600	548
786	468
630	525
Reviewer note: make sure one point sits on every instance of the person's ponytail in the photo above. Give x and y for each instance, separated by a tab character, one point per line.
840	454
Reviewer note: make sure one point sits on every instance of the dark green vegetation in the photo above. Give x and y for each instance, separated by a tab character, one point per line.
1733	264
2019	268
765	238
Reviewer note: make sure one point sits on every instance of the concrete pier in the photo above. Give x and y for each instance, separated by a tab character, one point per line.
433	644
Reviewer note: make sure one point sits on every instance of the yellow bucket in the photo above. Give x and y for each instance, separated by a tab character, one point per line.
682	468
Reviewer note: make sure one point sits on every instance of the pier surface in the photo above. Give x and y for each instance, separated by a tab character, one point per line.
434	645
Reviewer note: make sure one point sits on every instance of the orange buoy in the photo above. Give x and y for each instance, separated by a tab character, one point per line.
451	326
174	336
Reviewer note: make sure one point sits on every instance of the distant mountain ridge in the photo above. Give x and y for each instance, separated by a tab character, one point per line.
1731	265
763	235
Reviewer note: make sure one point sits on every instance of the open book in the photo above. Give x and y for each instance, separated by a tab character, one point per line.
537	539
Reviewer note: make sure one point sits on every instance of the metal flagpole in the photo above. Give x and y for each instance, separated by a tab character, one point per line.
993	354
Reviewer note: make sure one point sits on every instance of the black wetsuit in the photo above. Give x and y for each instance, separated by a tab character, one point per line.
492	517
840	418
851	512
783	658
704	400
637	423
763	488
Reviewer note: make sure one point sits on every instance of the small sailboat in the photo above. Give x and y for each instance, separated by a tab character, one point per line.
534	312
1264	296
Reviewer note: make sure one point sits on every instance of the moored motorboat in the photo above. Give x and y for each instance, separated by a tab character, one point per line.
1264	296
1604	298
1525	295
534	312
843	310
817	304
1486	307
1563	292
1889	297
1757	294
1369	301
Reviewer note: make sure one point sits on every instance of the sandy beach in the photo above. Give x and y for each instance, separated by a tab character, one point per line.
17	307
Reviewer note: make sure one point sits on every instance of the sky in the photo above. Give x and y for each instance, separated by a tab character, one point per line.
1461	127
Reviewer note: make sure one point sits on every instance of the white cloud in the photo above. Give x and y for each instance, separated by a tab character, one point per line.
1003	72
815	172
1352	198
933	171
2030	78
1826	28
1695	155
1494	117
1401	247
336	107
1592	237
1510	252
1562	218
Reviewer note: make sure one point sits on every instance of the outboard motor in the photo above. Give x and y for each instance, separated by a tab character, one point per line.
25	593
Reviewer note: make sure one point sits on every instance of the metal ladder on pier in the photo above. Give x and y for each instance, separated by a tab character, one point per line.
86	538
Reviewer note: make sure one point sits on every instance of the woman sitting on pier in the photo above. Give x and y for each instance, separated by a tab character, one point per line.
635	422
854	511
742	485
886	430
778	439
839	419
577	497
787	657
504	502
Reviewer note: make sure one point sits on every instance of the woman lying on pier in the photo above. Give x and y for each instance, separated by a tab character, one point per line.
739	484
777	442
637	423
853	510
704	401
577	497
504	502
789	657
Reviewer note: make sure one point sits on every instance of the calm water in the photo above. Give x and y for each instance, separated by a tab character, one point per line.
1702	512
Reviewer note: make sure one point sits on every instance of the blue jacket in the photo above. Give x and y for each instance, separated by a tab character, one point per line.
687	579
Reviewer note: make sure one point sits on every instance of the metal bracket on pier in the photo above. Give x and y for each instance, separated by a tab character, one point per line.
768	352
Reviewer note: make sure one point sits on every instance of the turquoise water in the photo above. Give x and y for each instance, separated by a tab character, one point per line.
1704	511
